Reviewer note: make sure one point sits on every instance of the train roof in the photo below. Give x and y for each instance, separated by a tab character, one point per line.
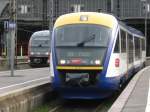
108	20
86	18
41	33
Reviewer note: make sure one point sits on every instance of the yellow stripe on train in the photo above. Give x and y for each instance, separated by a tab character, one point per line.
93	18
78	68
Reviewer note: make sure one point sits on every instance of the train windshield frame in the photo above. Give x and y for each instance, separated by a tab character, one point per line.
40	40
83	35
84	42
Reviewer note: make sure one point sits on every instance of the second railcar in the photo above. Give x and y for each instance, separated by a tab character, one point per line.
39	49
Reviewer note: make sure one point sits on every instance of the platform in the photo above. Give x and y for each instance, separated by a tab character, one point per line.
22	79
20	63
136	96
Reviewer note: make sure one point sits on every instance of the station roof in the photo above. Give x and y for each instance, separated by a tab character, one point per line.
3	4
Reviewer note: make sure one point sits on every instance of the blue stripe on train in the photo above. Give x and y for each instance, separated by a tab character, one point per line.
56	80
108	54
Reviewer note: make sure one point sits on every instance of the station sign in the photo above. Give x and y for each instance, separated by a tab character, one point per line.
9	25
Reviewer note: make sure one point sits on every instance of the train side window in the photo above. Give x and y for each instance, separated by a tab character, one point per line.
143	44
117	45
137	48
135	43
123	41
130	48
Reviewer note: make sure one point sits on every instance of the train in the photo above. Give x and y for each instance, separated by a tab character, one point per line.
39	48
93	54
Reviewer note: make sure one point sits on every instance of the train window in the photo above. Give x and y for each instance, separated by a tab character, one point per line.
130	48
117	45
137	48
143	44
123	41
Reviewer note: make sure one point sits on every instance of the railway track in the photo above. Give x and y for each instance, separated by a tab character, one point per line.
82	105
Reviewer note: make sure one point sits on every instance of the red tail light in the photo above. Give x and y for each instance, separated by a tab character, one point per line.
76	61
117	62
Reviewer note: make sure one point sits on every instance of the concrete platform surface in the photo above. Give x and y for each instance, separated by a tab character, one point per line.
134	97
23	78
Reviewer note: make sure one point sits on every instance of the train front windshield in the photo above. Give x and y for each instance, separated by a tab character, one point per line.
40	44
83	44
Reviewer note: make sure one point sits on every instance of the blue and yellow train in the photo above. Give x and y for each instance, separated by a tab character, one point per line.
93	54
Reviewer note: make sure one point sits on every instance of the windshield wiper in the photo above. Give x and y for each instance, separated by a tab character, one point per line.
81	44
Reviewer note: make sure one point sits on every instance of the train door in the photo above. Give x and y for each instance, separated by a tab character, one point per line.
130	53
143	51
138	52
123	53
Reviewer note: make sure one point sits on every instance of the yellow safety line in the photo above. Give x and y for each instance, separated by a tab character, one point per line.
78	68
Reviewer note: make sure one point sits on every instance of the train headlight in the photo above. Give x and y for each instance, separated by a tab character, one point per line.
97	62
46	53
32	53
28	60
38	53
62	61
